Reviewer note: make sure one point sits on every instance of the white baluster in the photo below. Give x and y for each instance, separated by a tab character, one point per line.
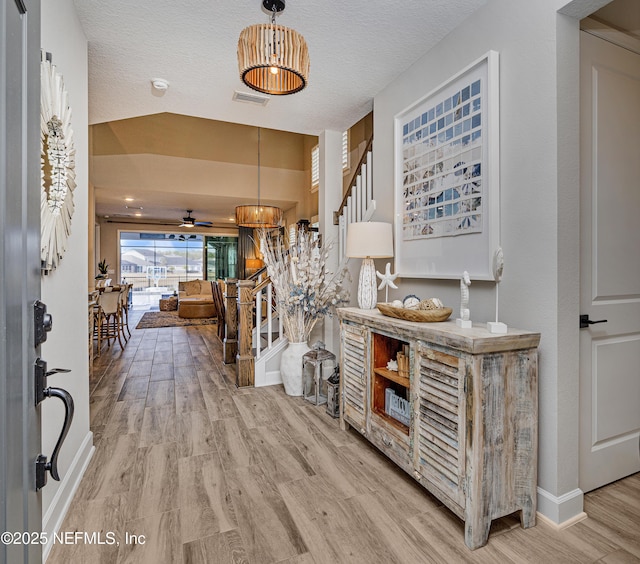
363	190
358	198
369	179
269	319
258	322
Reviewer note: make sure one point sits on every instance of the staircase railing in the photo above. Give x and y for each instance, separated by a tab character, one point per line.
270	324
259	327
358	203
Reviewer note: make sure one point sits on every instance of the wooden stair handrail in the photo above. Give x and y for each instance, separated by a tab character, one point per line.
256	275
261	286
353	177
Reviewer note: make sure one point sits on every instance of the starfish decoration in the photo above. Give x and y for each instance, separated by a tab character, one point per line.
387	281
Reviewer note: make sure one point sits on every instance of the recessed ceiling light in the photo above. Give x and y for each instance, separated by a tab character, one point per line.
232	219
128	199
138	214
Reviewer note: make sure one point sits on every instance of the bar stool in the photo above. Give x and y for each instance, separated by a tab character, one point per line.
124	309
107	322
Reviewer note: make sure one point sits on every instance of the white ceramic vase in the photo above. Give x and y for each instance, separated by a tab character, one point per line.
291	367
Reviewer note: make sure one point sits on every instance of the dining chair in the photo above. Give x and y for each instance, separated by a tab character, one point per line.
218	300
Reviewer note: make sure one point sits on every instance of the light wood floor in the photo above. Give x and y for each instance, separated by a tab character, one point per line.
212	474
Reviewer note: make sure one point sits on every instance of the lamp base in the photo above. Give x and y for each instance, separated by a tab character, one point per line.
464	323
497	327
367	288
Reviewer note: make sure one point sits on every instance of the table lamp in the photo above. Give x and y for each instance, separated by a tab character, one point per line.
369	240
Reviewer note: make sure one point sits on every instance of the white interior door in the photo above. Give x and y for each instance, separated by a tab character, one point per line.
610	262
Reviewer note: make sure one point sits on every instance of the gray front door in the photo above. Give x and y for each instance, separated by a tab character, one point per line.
20	510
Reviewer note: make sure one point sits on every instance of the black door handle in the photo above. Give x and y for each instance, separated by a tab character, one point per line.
585	321
66	398
42	465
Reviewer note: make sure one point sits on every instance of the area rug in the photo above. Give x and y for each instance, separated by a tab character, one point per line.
155	319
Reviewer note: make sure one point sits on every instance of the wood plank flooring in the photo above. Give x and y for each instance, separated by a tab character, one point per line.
210	474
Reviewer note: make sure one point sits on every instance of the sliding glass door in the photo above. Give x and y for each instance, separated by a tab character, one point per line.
221	257
155	262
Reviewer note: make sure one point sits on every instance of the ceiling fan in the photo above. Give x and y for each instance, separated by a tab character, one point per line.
191	221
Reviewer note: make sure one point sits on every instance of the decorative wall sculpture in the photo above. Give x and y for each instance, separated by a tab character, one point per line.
58	166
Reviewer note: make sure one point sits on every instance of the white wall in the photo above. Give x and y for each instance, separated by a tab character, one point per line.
329	198
64	290
537	49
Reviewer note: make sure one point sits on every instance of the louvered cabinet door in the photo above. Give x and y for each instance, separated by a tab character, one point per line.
440	429
354	368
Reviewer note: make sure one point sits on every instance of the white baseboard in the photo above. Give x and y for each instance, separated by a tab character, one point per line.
560	526
56	512
271	378
561	511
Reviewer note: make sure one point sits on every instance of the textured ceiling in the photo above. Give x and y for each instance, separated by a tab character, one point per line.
356	48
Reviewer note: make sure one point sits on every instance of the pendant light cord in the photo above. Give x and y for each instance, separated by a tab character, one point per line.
258	168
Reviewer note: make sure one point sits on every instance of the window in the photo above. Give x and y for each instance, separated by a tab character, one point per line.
315	168
315	161
345	151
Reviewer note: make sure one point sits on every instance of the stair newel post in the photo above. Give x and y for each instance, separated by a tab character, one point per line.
245	362
230	343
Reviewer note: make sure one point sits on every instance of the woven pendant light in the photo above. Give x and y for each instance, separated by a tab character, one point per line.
257	215
273	59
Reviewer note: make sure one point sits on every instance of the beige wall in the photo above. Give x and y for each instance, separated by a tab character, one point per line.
196	138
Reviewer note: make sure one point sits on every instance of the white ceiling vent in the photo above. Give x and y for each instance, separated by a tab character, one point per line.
250	98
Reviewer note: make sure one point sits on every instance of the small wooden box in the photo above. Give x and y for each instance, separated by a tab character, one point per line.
169	304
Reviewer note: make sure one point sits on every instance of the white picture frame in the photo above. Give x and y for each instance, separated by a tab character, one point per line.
447	177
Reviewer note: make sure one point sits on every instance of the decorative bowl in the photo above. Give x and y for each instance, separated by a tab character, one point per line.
419	315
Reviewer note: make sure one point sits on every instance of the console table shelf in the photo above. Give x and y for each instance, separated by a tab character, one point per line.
471	396
392	375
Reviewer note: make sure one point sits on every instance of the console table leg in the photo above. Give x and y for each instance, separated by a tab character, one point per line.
476	532
528	515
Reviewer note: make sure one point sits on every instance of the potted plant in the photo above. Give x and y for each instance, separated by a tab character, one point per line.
103	268
306	291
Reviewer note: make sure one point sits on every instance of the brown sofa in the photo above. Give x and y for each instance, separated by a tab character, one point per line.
195	299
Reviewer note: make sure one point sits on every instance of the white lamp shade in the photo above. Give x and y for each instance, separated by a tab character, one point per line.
369	239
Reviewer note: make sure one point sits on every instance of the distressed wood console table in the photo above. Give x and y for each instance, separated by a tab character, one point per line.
472	436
